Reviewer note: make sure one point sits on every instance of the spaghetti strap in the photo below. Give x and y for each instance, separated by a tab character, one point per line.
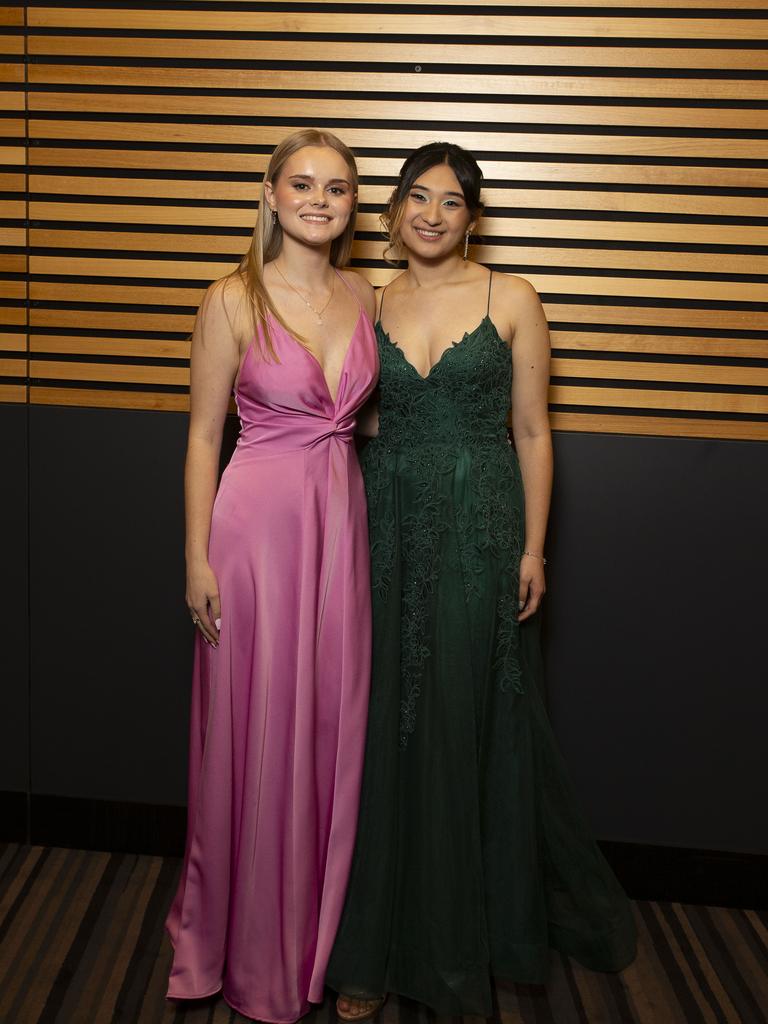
490	282
381	304
348	286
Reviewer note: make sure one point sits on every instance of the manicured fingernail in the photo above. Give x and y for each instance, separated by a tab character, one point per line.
218	623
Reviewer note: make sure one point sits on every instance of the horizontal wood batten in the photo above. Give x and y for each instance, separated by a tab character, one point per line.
606	423
565	284
158	241
16	393
13	263
12	101
647	147
421	53
11	128
14	316
640	373
704	5
397	110
42	369
497	198
691	401
679	373
13	289
13	236
13	367
157	348
513	169
619	316
413	82
12	45
11	16
407	23
647	344
497	255
13	342
93	398
661	344
583	229
11	154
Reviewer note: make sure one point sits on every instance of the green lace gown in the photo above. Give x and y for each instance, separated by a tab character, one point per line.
472	859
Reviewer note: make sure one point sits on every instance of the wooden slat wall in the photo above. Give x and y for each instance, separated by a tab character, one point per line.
625	151
13	210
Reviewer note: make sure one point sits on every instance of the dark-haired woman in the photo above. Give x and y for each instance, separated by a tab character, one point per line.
471	859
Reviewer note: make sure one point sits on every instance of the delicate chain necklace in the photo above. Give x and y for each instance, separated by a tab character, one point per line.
318	312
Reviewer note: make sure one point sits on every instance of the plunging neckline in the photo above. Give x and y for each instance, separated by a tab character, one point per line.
319	365
311	355
451	347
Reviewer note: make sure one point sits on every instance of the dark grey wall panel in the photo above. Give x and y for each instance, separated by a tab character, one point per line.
14	708
654	623
656	636
112	637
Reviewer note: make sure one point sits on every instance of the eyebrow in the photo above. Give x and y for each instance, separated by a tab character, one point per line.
425	188
333	181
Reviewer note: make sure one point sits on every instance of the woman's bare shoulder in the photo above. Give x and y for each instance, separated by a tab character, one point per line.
518	289
362	288
226	299
516	296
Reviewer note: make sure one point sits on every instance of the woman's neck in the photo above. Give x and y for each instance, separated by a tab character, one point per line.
435	273
308	265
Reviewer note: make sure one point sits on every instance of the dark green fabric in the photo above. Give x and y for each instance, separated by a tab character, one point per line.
471	858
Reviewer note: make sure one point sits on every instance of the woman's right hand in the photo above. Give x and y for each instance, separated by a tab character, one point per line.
203	601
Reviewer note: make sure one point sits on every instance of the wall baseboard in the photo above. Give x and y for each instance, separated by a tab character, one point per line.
715	878
13	816
117	826
647	872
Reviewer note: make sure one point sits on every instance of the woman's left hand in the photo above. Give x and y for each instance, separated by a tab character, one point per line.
532	586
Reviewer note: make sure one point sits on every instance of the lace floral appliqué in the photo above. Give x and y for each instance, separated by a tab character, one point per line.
443	438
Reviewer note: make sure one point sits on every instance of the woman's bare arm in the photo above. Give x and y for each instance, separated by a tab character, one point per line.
215	358
530	428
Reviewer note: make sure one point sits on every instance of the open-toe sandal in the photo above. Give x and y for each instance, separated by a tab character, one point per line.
355	1018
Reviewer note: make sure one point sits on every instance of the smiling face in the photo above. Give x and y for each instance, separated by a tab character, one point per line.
435	215
313	195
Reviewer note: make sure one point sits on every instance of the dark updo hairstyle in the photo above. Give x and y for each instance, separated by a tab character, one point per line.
463	165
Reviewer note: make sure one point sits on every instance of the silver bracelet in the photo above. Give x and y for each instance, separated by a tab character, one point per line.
534	555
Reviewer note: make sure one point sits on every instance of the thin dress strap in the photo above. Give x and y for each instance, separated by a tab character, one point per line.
381	304
348	286
490	282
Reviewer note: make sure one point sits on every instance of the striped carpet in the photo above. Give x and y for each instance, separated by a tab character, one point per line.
81	942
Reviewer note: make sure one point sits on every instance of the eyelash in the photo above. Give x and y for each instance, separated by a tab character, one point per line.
335	189
418	196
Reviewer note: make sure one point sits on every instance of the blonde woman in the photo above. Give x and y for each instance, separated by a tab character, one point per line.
278	588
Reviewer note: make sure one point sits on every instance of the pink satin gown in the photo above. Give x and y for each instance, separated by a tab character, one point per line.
279	708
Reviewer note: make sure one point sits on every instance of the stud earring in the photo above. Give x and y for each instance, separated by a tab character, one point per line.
466	245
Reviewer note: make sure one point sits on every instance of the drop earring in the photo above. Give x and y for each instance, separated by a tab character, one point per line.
274	216
466	245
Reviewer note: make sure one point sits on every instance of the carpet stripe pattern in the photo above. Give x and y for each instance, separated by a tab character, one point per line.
82	942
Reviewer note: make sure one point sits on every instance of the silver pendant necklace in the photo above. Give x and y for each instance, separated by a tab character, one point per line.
318	312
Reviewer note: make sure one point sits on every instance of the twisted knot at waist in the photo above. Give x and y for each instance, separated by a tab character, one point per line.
340	427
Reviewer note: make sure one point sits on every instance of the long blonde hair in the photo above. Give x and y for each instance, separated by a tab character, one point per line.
267	238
